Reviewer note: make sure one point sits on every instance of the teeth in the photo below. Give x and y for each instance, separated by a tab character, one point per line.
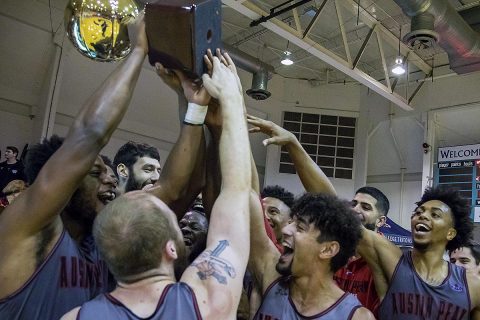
422	227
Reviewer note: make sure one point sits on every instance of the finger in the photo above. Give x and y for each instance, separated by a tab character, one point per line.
254	122
159	68
254	130
180	75
230	62
210	54
208	63
249	116
222	59
269	141
216	63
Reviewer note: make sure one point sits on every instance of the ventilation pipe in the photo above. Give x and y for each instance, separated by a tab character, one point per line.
455	36
261	71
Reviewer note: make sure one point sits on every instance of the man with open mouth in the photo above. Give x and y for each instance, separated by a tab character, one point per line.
420	283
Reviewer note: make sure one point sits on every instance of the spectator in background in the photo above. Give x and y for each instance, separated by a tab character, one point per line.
11	168
467	257
371	207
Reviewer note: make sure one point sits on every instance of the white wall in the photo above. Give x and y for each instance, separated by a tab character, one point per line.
15	130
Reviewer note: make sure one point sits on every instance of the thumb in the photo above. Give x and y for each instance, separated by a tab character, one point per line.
180	75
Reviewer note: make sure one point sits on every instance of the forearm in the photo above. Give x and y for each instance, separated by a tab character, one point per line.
213	178
187	194
262	249
179	166
235	163
105	109
312	177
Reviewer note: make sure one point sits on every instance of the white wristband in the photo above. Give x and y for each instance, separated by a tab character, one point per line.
195	114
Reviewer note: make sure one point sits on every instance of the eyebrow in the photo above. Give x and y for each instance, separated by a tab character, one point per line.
302	220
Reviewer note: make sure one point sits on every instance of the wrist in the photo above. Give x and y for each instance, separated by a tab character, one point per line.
195	114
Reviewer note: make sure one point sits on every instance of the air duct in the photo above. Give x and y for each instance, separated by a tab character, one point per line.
261	71
455	36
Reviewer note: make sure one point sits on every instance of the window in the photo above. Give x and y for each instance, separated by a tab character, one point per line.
328	140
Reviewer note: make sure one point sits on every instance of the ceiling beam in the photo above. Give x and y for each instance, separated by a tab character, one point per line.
282	29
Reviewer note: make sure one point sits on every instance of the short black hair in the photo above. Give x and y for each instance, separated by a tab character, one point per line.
129	153
383	205
336	221
460	212
38	155
475	249
279	193
13	149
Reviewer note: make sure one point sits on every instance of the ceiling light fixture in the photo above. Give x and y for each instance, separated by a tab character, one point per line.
286	56
398	68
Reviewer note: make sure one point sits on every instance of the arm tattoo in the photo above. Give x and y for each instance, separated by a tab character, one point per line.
209	264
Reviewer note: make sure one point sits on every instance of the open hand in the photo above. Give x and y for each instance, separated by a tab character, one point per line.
223	80
278	135
177	81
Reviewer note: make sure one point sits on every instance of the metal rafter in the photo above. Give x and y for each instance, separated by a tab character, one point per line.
344	34
284	30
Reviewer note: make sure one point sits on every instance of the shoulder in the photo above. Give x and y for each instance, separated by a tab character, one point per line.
473	281
71	315
362	314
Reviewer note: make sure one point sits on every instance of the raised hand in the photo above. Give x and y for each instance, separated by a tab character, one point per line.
278	135
139	34
223	81
177	81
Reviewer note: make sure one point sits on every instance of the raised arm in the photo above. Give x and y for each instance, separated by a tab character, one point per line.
312	177
185	158
382	257
217	274
40	204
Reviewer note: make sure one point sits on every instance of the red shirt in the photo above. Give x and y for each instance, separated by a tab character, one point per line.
356	277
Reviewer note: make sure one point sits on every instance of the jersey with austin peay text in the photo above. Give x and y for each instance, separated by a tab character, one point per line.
356	277
409	297
277	305
69	276
177	302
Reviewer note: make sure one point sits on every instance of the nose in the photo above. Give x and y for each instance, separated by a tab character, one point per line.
356	208
108	179
155	175
288	229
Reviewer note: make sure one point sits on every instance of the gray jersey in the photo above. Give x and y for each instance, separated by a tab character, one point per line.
68	277
177	301
409	297
277	305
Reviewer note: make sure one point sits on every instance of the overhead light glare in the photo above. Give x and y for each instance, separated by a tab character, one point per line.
398	67
286	58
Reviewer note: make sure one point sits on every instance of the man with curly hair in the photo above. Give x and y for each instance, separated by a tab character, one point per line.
420	284
299	282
